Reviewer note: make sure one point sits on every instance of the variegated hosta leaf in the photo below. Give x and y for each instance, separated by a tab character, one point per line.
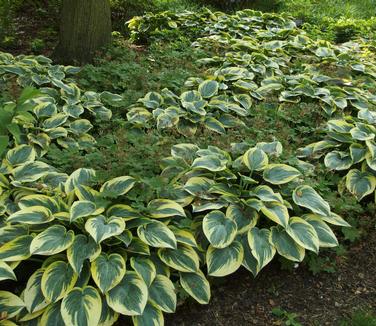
209	162
327	238
107	271
307	197
219	229
33	294
160	208
249	261
30	171
81	208
261	247
10	304
303	233
145	268
183	259
199	187
51	241
277	212
157	234
222	262
151	316
82	307
285	245
196	285
245	219
108	316
129	297
162	294
20	155
11	232
16	249
338	161
255	159
83	248
80	177
39	200
280	174
208	88
101	228
31	215
267	194
6	272
117	187
57	279
333	218
360	184
52	315
184	236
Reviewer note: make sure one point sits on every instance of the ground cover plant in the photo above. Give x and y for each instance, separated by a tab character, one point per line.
134	244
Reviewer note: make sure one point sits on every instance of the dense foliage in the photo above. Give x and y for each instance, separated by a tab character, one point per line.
96	251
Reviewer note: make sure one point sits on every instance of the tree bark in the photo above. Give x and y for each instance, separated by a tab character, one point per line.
85	28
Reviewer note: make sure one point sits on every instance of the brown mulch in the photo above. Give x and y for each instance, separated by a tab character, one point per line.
323	299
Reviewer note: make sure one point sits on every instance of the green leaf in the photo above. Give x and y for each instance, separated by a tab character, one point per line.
101	228
222	262
107	271
219	229
157	234
162	294
285	245
262	249
82	307
280	173
51	241
57	279
199	187
183	259
360	184
196	285
81	208
117	186
129	297
303	233
307	197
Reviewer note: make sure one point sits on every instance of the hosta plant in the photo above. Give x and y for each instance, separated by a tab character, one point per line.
245	208
92	254
349	146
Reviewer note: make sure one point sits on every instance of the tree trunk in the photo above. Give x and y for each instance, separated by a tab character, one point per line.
85	27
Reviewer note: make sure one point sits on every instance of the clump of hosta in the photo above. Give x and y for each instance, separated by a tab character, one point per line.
349	145
246	208
91	254
208	106
253	64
